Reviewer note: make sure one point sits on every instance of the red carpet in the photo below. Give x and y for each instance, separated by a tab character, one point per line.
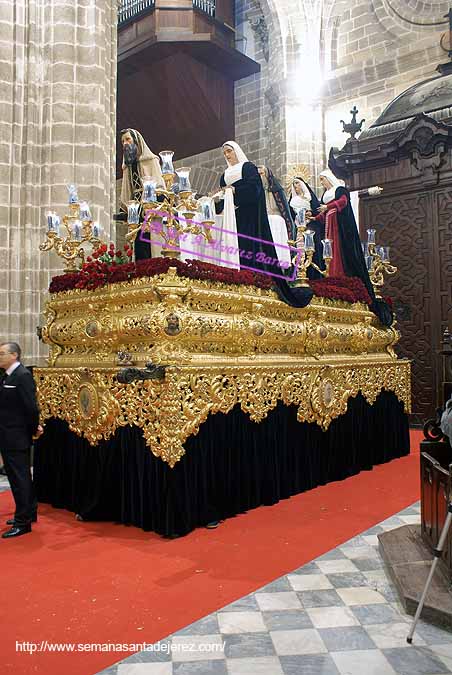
71	582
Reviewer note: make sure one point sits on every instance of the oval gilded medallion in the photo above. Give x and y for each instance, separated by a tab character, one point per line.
88	401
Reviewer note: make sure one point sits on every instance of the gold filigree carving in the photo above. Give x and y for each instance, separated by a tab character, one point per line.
169	411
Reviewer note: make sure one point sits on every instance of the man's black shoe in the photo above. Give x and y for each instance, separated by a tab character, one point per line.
16	532
11	521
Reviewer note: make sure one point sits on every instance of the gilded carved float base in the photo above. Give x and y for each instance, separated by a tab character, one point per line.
168	411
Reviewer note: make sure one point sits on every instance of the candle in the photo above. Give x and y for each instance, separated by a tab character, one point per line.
96	229
327	248
73	196
207	209
77	230
133	213
149	193
56	223
49	216
301	217
371	236
384	253
167	161
309	240
184	181
369	262
84	213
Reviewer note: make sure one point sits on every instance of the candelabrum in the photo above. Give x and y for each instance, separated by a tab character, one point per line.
305	249
171	212
79	229
377	261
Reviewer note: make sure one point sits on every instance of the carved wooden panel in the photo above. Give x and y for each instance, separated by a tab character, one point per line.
404	222
443	207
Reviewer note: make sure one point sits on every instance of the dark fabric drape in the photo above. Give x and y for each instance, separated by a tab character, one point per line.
230	466
281	202
252	222
353	256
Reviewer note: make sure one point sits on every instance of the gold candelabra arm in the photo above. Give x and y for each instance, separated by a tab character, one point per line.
49	243
378	270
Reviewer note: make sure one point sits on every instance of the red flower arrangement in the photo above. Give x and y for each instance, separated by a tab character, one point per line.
349	289
107	266
104	269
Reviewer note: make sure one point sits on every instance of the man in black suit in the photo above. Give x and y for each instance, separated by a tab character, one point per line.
19	423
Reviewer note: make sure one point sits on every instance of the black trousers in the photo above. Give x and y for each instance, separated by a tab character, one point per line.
18	470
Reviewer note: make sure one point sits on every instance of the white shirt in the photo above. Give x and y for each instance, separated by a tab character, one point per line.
12	368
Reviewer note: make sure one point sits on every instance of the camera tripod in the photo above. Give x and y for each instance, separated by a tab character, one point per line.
437	555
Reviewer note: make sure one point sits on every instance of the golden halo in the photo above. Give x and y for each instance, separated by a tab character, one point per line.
300	170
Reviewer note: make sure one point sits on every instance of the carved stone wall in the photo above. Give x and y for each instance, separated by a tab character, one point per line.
57	111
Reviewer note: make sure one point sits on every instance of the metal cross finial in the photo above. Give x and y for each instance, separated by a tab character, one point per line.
352	127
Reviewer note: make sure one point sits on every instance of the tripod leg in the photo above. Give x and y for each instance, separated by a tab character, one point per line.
437	553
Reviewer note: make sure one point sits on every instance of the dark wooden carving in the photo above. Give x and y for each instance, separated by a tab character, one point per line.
414	217
176	71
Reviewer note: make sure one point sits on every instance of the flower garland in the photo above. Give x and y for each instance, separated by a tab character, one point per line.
349	289
103	269
107	266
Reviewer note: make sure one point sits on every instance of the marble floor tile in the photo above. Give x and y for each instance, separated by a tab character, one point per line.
368	564
414	661
346	638
247	603
273	601
287	619
319	598
248	645
336	566
145	669
240	622
208	625
334	554
353	552
305	641
347	580
330	617
197	648
376	614
263	665
200	668
309	568
362	662
281	584
389	635
432	635
309	582
309	664
442	651
360	596
411	520
371	539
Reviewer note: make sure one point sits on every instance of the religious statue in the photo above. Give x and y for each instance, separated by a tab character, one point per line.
139	162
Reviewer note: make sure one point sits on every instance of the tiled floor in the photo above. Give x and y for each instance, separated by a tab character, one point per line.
337	615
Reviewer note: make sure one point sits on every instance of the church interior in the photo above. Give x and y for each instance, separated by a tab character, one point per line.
226	246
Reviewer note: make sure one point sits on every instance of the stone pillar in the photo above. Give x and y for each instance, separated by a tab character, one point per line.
58	113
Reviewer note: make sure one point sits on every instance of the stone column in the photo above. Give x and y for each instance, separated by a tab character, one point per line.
58	113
